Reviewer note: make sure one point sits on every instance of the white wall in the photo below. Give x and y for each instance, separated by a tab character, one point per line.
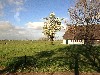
77	42
64	41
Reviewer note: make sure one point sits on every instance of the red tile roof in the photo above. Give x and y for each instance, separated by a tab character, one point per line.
82	32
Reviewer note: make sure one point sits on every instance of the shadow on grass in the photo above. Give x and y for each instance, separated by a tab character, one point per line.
27	62
20	63
91	55
87	57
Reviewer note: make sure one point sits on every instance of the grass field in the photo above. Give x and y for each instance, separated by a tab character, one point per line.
41	50
41	56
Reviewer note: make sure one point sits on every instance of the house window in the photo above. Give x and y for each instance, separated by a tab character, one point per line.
75	40
71	40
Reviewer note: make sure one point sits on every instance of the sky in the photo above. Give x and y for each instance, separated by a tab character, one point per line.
22	19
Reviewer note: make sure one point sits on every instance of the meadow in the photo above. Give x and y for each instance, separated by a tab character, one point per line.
42	56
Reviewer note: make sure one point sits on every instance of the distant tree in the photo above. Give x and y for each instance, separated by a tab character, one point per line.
52	24
43	39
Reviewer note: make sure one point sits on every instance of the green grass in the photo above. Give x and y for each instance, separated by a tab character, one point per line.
41	56
41	50
21	48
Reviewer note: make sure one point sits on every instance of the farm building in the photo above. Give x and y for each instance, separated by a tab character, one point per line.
82	34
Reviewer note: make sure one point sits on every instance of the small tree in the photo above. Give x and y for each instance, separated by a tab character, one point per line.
52	24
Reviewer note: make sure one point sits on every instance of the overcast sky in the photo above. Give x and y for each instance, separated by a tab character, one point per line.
22	19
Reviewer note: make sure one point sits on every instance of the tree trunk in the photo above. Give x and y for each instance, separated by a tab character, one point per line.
51	39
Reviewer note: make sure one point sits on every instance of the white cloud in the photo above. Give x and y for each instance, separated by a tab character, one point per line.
16	2
35	25
1	13
19	9
16	5
1	8
5	25
9	31
33	30
16	16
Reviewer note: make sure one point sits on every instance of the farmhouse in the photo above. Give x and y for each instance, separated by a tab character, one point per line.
82	34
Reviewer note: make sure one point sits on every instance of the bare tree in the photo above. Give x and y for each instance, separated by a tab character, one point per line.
86	12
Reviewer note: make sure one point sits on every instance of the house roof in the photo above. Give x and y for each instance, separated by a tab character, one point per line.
82	32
